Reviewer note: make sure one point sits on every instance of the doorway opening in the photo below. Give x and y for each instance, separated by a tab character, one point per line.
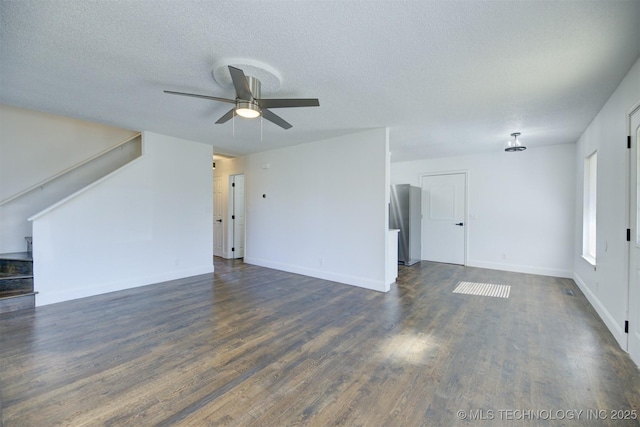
229	216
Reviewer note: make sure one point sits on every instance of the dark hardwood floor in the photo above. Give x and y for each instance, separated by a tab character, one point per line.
251	346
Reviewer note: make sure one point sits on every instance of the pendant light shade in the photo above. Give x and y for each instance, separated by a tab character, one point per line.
515	144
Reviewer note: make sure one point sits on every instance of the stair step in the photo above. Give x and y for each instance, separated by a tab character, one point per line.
16	282
18	256
6	276
16	263
12	293
18	301
16	267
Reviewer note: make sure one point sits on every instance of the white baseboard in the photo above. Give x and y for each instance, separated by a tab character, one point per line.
616	330
362	282
553	272
54	295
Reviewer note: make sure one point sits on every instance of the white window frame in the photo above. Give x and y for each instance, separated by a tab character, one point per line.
589	212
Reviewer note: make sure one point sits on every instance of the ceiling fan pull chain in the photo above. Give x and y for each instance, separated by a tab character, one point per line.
261	125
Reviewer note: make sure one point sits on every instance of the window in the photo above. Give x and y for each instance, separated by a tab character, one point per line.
589	211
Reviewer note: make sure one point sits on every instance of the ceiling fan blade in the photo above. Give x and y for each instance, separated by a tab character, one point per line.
228	116
240	83
213	98
285	103
274	118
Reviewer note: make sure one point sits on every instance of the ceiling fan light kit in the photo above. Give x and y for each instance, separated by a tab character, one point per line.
248	101
515	144
248	110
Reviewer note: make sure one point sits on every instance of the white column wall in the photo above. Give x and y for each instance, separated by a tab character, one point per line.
324	210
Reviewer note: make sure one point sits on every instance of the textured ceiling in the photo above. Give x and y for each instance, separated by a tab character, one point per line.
446	77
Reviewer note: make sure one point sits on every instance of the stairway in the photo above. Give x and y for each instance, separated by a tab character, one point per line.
16	282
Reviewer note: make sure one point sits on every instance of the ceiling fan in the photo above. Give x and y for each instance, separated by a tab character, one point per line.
248	102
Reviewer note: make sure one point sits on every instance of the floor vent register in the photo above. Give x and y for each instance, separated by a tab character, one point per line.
483	289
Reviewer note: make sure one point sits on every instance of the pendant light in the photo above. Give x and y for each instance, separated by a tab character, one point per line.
515	144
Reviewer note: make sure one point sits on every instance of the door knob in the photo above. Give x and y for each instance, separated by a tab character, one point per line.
219	220
460	224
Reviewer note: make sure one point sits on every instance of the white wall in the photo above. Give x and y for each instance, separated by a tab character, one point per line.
148	222
324	213
519	204
14	225
607	286
35	146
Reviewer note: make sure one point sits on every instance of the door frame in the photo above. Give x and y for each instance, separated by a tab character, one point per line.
221	232
631	223
230	211
465	172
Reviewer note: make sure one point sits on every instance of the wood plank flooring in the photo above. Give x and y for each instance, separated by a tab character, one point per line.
249	346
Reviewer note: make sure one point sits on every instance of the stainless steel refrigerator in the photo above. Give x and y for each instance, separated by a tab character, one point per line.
405	214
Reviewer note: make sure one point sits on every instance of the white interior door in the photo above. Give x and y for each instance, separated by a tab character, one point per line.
633	343
443	218
218	230
237	215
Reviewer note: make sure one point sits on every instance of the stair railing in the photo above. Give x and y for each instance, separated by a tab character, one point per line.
43	183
